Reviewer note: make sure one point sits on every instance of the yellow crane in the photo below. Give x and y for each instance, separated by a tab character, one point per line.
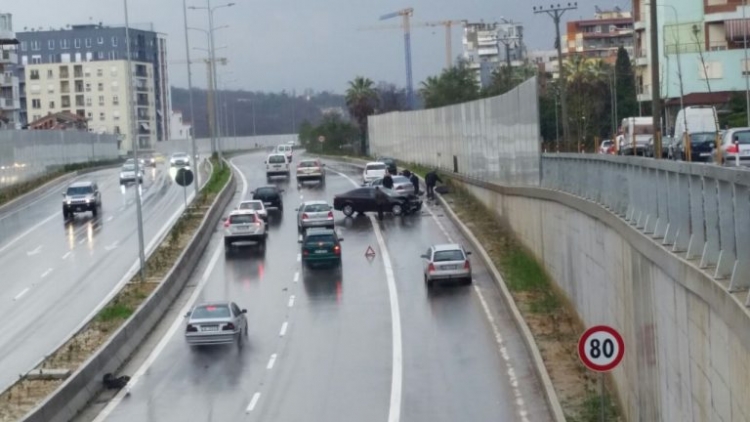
448	24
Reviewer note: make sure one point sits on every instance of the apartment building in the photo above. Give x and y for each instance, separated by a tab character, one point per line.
602	36
10	105
487	46
701	50
99	92
94	43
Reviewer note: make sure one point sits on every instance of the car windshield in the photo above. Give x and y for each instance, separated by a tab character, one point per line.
320	238
251	206
371	167
211	311
265	191
181	156
277	159
308	164
386	160
79	190
128	167
400	179
317	208
643	130
702	138
242	219
452	255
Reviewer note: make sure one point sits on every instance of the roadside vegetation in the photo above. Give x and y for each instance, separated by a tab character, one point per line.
14	191
25	394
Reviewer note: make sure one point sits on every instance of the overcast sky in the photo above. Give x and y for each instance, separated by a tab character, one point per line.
298	44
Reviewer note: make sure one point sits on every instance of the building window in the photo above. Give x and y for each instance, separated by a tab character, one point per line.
65	44
100	86
51	89
113	71
24	45
113	55
88	101
88	42
51	58
34	74
100	72
116	115
77	43
51	44
100	40
36	103
114	41
36	45
36	59
50	74
89	115
102	116
115	100
115	86
100	55
101	100
88	86
51	104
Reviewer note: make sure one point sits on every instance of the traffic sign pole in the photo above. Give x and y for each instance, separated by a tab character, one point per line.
601	349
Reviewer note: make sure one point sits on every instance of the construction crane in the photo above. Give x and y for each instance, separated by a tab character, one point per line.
448	24
405	14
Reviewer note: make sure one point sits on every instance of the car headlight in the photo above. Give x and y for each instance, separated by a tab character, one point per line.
67	201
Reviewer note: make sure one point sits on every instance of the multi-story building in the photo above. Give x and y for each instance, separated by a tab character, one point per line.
701	50
180	128
98	91
487	46
601	36
10	105
93	43
545	61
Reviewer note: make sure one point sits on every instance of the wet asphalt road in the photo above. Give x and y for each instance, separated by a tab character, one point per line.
321	342
56	272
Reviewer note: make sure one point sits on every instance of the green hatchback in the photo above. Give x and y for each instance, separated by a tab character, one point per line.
321	247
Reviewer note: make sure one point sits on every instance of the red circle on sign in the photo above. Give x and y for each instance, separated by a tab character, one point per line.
582	348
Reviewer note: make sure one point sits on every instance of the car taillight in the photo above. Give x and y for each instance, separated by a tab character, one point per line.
330	215
228	327
191	328
305	252
226	223
337	250
733	149
431	268
467	265
305	216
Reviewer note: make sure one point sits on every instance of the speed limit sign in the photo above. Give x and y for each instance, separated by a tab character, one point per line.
601	348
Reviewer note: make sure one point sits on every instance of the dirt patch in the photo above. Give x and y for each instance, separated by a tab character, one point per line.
554	325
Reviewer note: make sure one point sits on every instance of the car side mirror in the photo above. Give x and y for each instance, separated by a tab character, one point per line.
423	256
244	311
282	190
63	194
187	315
296	209
468	253
252	192
341	239
265	162
299	240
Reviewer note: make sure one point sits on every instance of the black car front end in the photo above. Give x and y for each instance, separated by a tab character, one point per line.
410	203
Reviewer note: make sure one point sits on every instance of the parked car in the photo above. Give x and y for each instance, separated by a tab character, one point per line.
277	165
321	246
363	200
81	196
666	146
311	170
256	206
216	323
446	262
735	143
607	147
702	146
180	159
244	226
314	214
390	164
128	174
373	170
271	197
401	184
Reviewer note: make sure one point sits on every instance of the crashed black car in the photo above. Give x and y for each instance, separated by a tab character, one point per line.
362	200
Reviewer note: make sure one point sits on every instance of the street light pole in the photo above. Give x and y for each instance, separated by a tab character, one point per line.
655	85
134	140
745	67
190	96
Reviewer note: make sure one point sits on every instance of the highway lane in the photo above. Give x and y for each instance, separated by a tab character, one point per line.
55	273
321	343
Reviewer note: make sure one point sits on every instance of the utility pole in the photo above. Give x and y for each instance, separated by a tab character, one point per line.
190	96
655	83
556	12
745	67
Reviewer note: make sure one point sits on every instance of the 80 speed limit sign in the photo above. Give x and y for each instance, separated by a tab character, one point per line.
601	348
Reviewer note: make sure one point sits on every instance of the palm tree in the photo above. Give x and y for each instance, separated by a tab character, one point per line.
361	98
589	92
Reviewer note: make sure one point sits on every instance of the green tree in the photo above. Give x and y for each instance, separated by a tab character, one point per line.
737	116
455	85
627	102
361	99
390	98
506	78
589	99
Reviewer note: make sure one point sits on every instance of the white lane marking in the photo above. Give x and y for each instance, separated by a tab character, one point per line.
110	218
112	246
271	361
296	277
81	242
291	301
284	327
394	413
253	402
176	324
299	257
67	255
35	251
26	233
20	295
244	180
46	273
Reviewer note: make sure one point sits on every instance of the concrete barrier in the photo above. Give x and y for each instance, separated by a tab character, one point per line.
76	392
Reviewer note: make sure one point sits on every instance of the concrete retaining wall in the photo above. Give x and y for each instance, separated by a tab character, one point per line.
73	395
687	340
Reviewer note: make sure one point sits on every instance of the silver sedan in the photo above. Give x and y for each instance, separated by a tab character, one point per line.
401	184
314	214
216	323
446	262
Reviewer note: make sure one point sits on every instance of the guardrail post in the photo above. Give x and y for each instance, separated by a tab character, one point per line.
741	271
711	211
697	218
648	224
662	219
727	254
681	212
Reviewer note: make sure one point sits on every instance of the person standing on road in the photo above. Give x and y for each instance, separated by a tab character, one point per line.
431	179
388	180
414	182
381	199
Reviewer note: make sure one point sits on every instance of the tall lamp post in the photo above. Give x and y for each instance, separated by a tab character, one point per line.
190	96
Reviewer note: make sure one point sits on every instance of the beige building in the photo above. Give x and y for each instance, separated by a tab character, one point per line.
97	90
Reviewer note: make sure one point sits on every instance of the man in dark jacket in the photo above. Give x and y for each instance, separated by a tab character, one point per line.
431	179
381	199
414	182
388	181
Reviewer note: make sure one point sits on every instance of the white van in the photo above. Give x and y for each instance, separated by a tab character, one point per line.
285	149
277	165
698	119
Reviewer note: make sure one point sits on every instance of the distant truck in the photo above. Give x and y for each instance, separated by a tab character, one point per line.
634	132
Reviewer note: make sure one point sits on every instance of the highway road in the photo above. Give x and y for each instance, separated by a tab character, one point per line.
368	343
56	272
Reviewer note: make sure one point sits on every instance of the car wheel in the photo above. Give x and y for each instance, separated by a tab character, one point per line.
348	210
66	215
94	211
397	209
468	280
227	244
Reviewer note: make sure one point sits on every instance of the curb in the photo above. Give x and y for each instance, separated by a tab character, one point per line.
541	370
85	383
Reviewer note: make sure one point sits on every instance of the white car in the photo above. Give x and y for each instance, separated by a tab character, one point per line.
179	159
256	206
446	262
244	226
286	150
373	171
127	174
277	165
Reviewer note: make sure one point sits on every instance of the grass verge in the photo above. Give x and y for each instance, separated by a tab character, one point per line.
25	394
12	192
554	325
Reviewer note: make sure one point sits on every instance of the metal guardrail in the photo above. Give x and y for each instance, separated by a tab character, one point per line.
700	210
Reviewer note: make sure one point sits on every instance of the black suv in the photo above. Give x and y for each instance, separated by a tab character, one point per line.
81	197
271	197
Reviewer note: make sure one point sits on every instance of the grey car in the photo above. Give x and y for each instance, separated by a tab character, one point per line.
447	262
216	323
314	214
401	184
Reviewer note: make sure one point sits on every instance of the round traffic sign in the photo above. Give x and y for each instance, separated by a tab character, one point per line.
321	138
601	348
184	177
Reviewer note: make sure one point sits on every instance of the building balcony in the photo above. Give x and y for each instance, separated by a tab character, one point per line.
9	103
641	58
643	93
639	25
7	80
8	57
